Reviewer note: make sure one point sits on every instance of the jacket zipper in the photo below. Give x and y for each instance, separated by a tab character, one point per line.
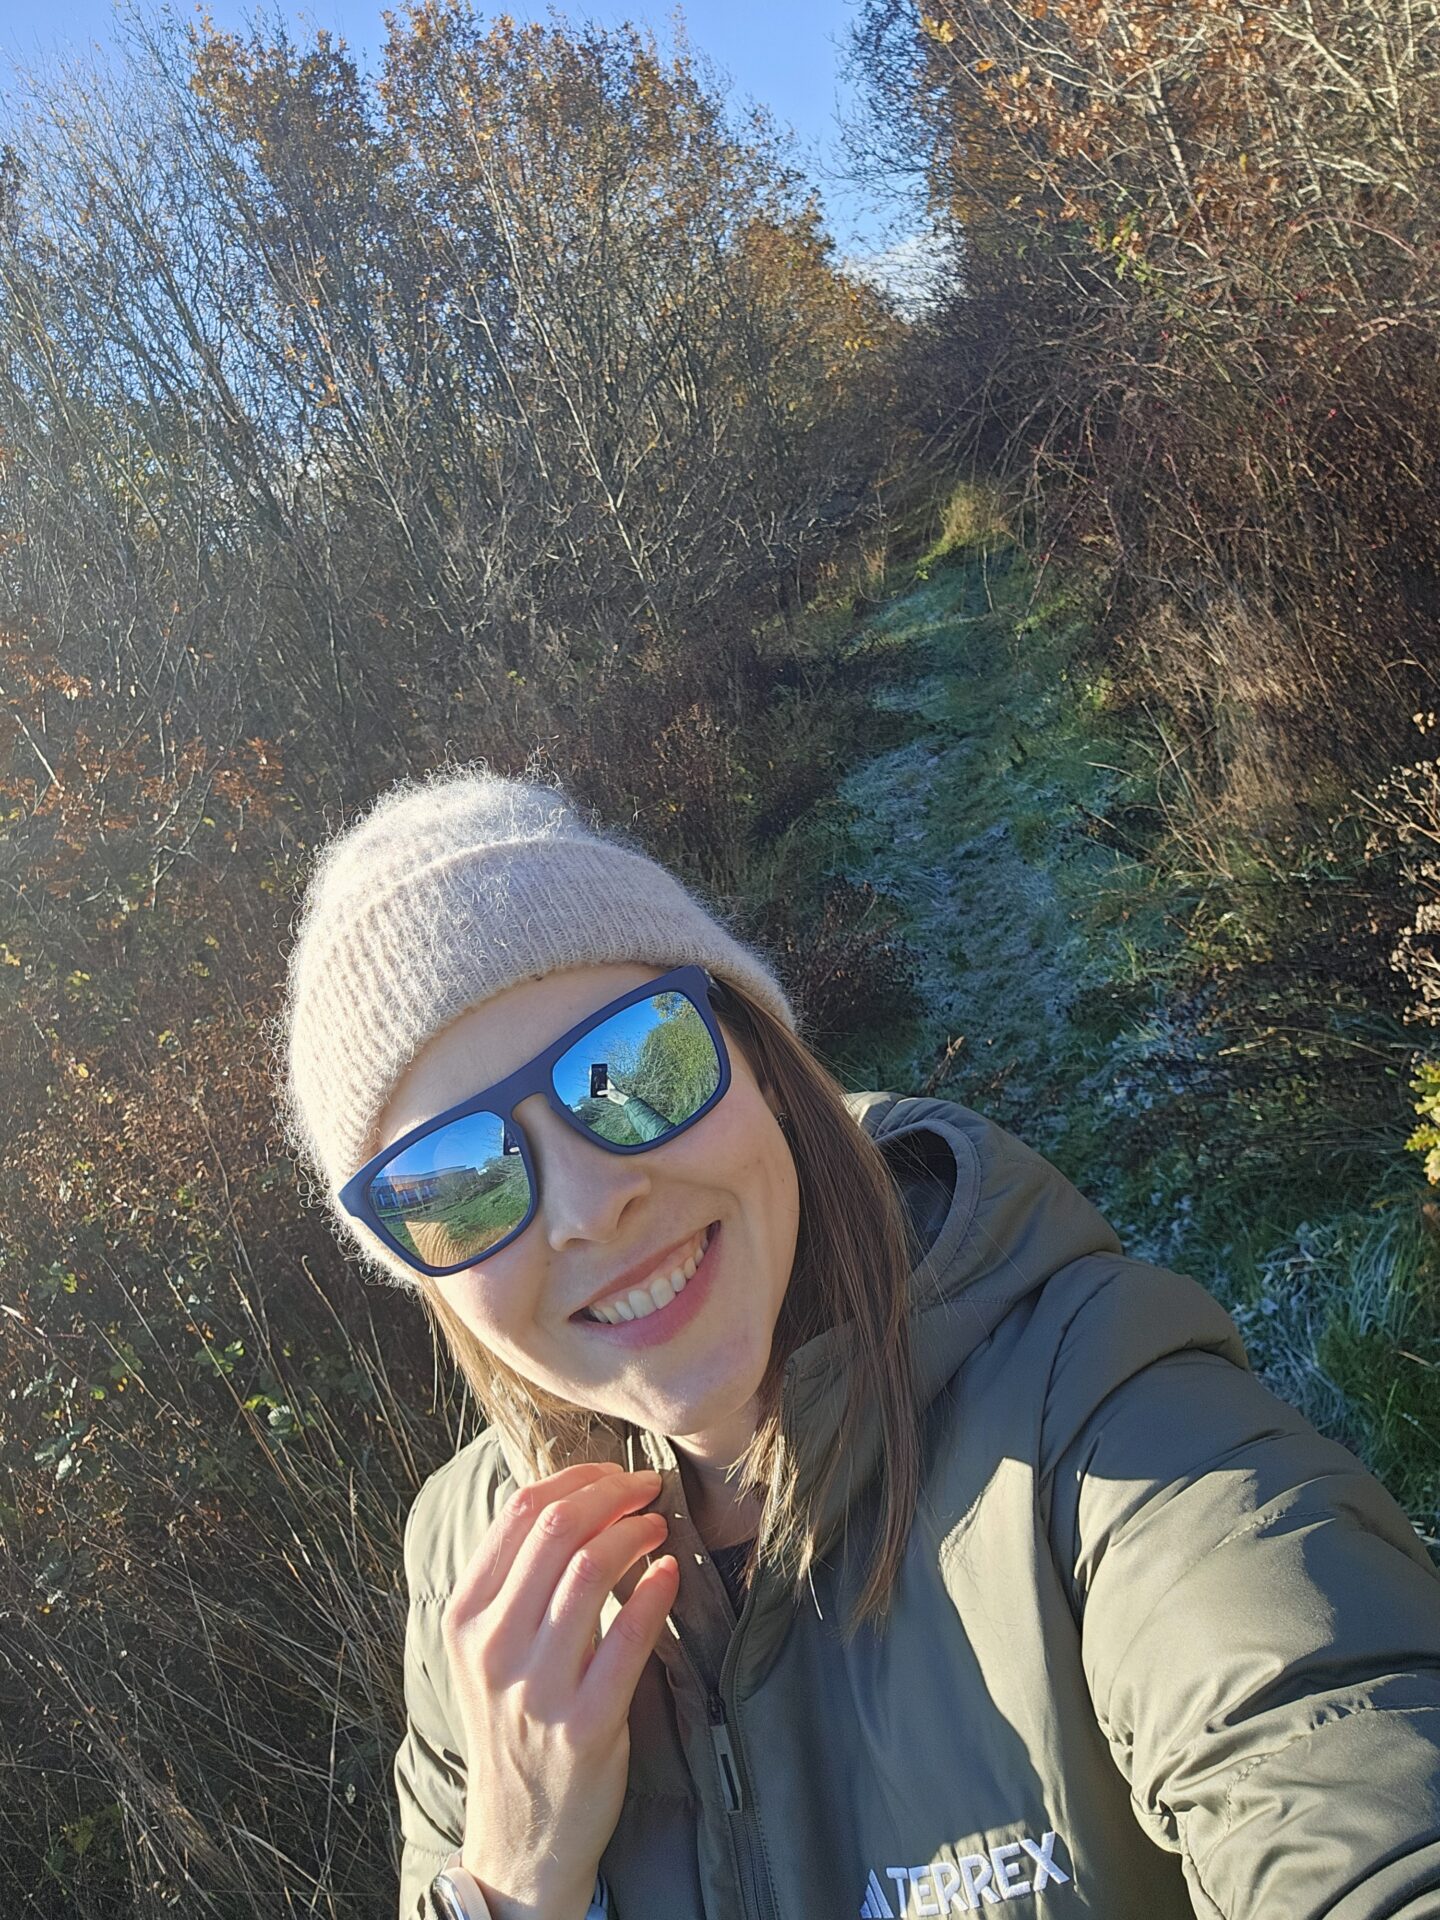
725	1756
753	1875
744	1831
742	1820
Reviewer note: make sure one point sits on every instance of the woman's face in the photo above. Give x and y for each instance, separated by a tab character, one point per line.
602	1215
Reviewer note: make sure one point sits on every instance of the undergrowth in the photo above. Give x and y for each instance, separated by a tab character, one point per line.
1191	1014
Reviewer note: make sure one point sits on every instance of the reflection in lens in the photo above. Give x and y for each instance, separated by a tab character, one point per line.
453	1194
642	1072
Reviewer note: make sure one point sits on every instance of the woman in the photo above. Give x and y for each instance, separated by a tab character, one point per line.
856	1532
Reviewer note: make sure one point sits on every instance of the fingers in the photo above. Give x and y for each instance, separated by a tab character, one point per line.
572	1619
484	1576
560	1530
614	1671
545	1714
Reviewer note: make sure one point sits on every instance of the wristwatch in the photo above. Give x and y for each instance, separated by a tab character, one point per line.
455	1895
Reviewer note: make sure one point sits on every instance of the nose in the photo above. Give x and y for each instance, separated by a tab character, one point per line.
584	1191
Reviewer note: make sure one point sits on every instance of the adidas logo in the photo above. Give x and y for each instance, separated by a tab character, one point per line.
875	1906
960	1886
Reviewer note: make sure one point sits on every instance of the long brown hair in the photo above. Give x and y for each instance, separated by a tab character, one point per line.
853	1256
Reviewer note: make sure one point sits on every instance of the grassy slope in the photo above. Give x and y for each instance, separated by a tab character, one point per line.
1134	1013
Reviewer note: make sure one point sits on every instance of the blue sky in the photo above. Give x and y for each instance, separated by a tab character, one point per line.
786	56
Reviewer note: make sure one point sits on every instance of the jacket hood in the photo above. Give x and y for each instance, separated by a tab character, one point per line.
996	1221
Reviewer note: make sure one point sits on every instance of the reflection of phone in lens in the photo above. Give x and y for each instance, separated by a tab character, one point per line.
599	1079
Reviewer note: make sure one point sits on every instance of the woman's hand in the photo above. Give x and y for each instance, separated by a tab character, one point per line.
545	1701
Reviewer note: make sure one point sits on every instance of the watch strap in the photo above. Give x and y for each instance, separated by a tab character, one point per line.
455	1895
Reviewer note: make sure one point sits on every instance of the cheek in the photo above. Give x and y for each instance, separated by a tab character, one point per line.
776	1169
504	1335
762	1171
491	1302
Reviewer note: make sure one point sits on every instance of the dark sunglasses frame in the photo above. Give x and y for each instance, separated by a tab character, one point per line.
534	1076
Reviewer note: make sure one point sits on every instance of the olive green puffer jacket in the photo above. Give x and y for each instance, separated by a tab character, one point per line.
1157	1649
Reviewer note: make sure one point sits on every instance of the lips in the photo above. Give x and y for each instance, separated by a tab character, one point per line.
669	1322
640	1275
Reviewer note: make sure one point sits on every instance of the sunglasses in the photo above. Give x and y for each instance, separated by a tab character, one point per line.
632	1075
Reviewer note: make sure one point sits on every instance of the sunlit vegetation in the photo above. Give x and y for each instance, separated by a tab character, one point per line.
505	402
1045	680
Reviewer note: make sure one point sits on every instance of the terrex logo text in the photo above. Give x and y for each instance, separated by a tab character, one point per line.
944	1887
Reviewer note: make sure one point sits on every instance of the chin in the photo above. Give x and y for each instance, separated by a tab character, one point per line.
708	1406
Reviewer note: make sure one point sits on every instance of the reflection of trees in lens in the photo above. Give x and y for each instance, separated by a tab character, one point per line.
664	1077
676	1072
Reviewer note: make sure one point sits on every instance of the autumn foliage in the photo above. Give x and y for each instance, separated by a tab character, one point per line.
507	403
1195	323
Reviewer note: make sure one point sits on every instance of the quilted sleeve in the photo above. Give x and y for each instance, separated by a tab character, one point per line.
1260	1626
429	1773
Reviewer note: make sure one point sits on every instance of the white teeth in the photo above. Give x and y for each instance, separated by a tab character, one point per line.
640	1302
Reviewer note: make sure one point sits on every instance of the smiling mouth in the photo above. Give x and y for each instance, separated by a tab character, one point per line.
638	1303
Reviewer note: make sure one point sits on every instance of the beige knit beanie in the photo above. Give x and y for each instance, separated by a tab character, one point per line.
448	889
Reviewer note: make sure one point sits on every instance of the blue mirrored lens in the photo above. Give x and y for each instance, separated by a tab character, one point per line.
641	1073
454	1193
